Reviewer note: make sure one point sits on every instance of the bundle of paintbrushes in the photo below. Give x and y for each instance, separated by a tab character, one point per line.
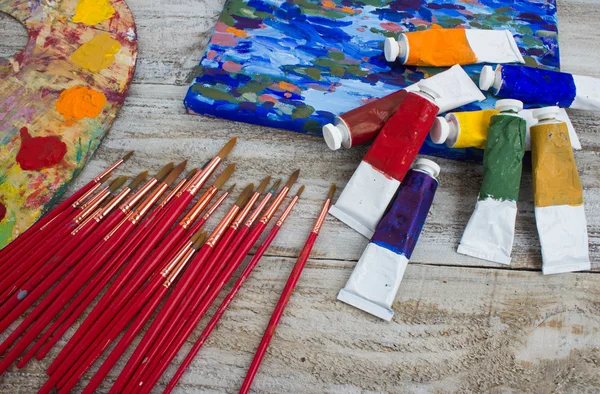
149	256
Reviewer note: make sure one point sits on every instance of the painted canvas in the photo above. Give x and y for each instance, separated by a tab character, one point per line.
296	64
58	98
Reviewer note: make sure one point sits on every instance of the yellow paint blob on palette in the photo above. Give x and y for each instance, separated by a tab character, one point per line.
58	98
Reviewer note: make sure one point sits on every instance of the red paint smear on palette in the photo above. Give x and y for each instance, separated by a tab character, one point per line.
2	211
37	153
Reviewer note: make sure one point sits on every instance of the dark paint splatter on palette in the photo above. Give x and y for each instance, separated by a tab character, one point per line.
400	228
328	55
37	153
2	211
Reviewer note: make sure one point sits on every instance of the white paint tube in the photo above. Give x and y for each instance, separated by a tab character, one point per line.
490	232
376	278
558	195
439	47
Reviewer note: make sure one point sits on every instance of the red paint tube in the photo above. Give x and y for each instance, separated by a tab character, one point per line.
374	183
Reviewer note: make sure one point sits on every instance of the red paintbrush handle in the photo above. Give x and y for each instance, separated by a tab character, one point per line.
102	254
198	307
126	340
221	310
70	315
175	300
278	312
137	304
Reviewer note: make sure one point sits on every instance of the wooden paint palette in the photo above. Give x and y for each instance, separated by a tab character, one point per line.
58	98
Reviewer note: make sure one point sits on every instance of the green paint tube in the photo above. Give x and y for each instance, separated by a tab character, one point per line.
490	232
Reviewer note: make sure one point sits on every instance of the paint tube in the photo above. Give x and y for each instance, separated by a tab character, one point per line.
469	129
375	182
362	124
440	47
490	232
558	195
543	87
376	278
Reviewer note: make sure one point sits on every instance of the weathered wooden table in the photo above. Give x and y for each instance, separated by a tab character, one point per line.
461	324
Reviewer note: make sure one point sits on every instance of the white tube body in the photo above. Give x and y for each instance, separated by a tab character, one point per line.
459	89
374	282
490	232
494	46
587	93
365	199
563	236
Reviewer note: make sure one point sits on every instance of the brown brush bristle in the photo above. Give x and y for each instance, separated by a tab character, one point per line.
293	179
191	174
105	177
117	183
173	175
199	238
245	195
138	180
275	186
263	185
164	171
128	156
331	191
224	177
231	188
227	148
300	191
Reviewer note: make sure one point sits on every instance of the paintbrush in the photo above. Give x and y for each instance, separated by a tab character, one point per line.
78	305
168	316
213	283
140	320
38	270
142	304
73	201
83	246
113	240
230	296
286	294
74	280
116	261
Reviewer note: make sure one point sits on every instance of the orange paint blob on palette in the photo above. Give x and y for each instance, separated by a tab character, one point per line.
58	97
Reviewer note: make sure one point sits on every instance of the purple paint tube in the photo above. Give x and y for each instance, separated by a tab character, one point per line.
376	278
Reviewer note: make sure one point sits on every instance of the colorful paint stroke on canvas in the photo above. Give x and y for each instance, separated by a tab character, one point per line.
296	64
58	98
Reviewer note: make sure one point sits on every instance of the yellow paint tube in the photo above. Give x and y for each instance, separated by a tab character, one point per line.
469	129
558	195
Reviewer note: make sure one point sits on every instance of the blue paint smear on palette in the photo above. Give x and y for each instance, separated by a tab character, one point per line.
296	64
400	228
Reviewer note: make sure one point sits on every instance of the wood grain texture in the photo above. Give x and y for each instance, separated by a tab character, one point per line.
461	324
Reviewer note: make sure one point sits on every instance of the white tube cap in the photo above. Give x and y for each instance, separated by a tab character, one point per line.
440	130
430	87
509	105
487	78
428	166
333	136
546	113
391	49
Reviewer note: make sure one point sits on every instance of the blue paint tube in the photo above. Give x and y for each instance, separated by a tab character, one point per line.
543	87
376	278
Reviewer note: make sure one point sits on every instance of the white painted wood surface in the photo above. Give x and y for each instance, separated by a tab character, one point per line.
461	324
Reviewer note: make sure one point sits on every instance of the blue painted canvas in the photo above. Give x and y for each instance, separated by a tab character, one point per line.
296	64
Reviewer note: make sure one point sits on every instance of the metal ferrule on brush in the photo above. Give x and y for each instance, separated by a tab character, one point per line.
173	274
198	180
244	212
258	210
173	192
198	207
287	211
173	263
114	230
274	205
145	206
214	207
109	170
128	205
91	205
321	218
222	226
85	195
